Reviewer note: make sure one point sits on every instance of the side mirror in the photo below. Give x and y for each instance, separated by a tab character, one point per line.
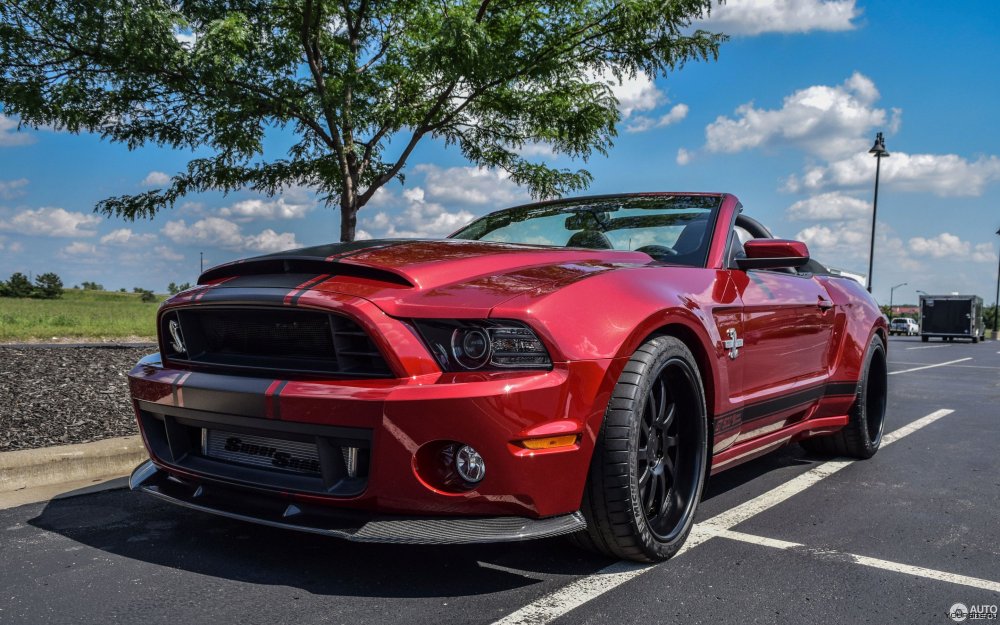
773	254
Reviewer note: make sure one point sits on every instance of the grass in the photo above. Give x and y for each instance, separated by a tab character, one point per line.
77	314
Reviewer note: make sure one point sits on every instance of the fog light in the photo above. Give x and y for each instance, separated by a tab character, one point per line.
470	465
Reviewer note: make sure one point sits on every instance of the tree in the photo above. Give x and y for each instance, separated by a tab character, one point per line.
92	286
17	286
146	294
174	289
48	286
359	83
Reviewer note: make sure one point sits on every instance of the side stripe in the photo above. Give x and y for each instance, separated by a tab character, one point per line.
733	419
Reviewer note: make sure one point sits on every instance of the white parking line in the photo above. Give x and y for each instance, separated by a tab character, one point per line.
511	570
956	366
579	592
940	364
877	563
928	347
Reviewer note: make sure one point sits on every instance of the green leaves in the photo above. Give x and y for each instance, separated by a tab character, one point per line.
348	77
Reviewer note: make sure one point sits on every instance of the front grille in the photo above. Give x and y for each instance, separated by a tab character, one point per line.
271	340
260	453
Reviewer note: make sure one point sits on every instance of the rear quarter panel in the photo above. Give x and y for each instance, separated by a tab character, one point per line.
859	319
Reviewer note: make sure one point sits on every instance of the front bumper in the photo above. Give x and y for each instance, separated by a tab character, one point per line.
397	419
344	524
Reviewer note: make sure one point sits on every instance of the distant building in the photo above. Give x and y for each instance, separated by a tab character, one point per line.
905	311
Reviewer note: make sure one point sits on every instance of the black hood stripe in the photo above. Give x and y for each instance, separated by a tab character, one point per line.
305	260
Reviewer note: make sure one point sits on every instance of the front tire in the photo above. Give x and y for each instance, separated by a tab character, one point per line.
650	459
862	436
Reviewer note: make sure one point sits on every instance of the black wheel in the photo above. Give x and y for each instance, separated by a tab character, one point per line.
861	437
650	460
975	340
924	339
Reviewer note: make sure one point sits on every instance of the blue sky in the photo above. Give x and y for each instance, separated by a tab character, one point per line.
783	120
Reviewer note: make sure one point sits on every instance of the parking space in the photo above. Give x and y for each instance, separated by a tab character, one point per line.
785	538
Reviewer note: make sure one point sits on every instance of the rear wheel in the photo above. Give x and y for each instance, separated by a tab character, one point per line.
924	339
861	437
650	460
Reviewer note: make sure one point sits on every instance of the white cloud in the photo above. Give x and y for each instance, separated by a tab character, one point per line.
683	156
834	206
52	222
219	232
419	218
155	179
165	253
634	93
536	148
642	123
983	253
945	175
126	237
9	135
79	248
840	233
755	17
207	231
845	244
10	189
831	122
11	248
247	210
947	245
270	241
469	186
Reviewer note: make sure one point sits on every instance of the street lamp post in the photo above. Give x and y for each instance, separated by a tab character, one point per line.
890	296
878	151
996	301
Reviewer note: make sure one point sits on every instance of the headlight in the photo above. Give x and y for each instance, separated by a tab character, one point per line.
473	345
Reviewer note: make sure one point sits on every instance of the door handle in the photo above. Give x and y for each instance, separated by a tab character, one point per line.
824	304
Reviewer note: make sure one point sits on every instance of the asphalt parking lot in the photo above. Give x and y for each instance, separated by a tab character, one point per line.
787	538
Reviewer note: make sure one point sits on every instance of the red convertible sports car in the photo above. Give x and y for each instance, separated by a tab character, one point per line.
572	367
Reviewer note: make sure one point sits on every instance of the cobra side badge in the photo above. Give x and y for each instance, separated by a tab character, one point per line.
733	344
177	341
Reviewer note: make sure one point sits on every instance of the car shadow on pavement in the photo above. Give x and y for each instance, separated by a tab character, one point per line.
141	529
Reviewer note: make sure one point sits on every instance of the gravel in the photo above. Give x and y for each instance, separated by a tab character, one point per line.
57	395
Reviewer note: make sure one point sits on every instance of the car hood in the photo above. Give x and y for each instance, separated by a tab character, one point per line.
424	278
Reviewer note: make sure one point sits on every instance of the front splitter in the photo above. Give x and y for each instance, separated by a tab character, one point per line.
245	505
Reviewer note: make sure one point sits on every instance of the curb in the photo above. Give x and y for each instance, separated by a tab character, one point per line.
29	468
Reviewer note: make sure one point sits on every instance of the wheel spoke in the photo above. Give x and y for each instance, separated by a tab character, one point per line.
668	467
668	415
668	499
669	442
661	489
661	404
644	482
678	498
652	409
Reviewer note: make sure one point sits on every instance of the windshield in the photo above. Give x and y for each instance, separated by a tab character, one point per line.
672	228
